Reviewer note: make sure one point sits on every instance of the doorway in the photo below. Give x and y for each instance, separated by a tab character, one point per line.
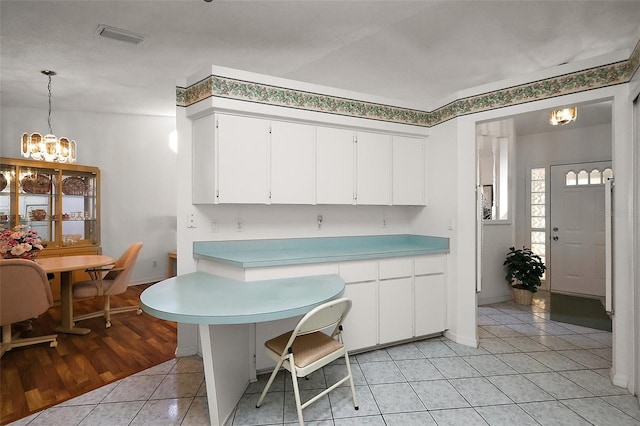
577	244
533	145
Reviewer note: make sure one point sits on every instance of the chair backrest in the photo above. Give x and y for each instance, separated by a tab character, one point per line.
330	314
25	291
125	265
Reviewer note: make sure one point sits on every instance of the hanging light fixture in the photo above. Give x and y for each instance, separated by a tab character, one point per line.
563	116
49	147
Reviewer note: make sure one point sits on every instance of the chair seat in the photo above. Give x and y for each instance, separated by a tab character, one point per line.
307	348
89	288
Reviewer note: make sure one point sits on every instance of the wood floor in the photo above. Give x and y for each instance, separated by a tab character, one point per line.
36	377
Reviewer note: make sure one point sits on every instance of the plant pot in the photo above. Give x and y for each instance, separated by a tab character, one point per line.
522	296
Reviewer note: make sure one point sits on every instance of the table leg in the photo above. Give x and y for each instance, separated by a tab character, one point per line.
66	295
225	351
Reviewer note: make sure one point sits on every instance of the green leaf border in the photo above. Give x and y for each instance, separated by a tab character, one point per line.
580	81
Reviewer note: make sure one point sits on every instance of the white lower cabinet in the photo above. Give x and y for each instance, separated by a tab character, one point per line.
396	310
393	300
430	295
429	306
361	325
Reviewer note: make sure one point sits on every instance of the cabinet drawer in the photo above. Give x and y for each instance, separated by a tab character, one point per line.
396	268
430	265
358	272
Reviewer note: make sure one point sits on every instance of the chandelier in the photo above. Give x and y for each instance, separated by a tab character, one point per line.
563	116
49	147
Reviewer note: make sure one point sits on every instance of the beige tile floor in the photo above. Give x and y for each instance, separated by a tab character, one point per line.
528	370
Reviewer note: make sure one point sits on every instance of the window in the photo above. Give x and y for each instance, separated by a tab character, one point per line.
583	177
538	211
493	160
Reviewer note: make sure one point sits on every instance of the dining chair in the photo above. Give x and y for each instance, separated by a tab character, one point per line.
107	281
308	348
25	293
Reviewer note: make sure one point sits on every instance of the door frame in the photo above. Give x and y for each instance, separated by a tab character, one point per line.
622	372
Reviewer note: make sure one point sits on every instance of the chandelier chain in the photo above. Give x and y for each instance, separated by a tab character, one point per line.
49	117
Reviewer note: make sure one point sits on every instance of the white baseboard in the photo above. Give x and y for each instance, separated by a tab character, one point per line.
490	300
186	351
462	340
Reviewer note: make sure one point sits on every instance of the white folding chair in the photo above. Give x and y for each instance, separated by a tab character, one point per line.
307	348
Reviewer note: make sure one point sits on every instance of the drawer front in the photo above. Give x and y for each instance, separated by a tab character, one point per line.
430	265
358	272
396	268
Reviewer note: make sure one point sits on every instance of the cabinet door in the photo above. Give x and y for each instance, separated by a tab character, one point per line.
430	304
361	325
396	310
334	166
373	169
203	160
408	171
292	163
243	159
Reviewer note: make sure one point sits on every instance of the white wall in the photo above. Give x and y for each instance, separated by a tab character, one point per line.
138	176
497	235
440	218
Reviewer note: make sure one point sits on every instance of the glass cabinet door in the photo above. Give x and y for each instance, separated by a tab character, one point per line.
7	176
79	208
37	201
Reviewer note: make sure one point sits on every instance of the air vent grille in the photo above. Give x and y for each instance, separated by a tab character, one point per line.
119	34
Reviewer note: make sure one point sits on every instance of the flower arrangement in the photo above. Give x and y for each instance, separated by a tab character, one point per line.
21	242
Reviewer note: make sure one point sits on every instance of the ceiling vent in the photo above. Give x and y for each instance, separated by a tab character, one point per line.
119	34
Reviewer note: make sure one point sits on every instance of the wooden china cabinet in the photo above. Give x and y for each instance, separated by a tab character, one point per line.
60	201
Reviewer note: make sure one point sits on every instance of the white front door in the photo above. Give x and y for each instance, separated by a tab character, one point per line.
577	231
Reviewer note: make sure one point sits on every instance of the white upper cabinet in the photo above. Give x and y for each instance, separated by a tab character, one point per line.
246	160
373	168
204	183
408	171
243	159
292	163
334	166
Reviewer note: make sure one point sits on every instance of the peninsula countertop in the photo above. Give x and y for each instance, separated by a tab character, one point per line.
203	298
296	251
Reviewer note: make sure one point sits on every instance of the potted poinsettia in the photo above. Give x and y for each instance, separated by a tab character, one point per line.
525	270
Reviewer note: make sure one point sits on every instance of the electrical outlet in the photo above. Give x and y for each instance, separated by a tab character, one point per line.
191	221
154	263
239	225
320	221
214	226
384	223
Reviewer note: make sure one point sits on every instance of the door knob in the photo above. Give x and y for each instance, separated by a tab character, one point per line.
555	229
555	238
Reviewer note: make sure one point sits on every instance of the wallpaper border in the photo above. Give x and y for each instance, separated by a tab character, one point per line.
242	90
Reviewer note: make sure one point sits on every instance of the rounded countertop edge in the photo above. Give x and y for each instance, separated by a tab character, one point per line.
151	308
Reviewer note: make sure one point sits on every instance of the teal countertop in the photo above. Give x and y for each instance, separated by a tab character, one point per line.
203	298
296	251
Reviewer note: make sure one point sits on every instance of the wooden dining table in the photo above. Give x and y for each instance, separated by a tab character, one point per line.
66	265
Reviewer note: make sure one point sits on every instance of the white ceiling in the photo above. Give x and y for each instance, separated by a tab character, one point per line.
419	52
